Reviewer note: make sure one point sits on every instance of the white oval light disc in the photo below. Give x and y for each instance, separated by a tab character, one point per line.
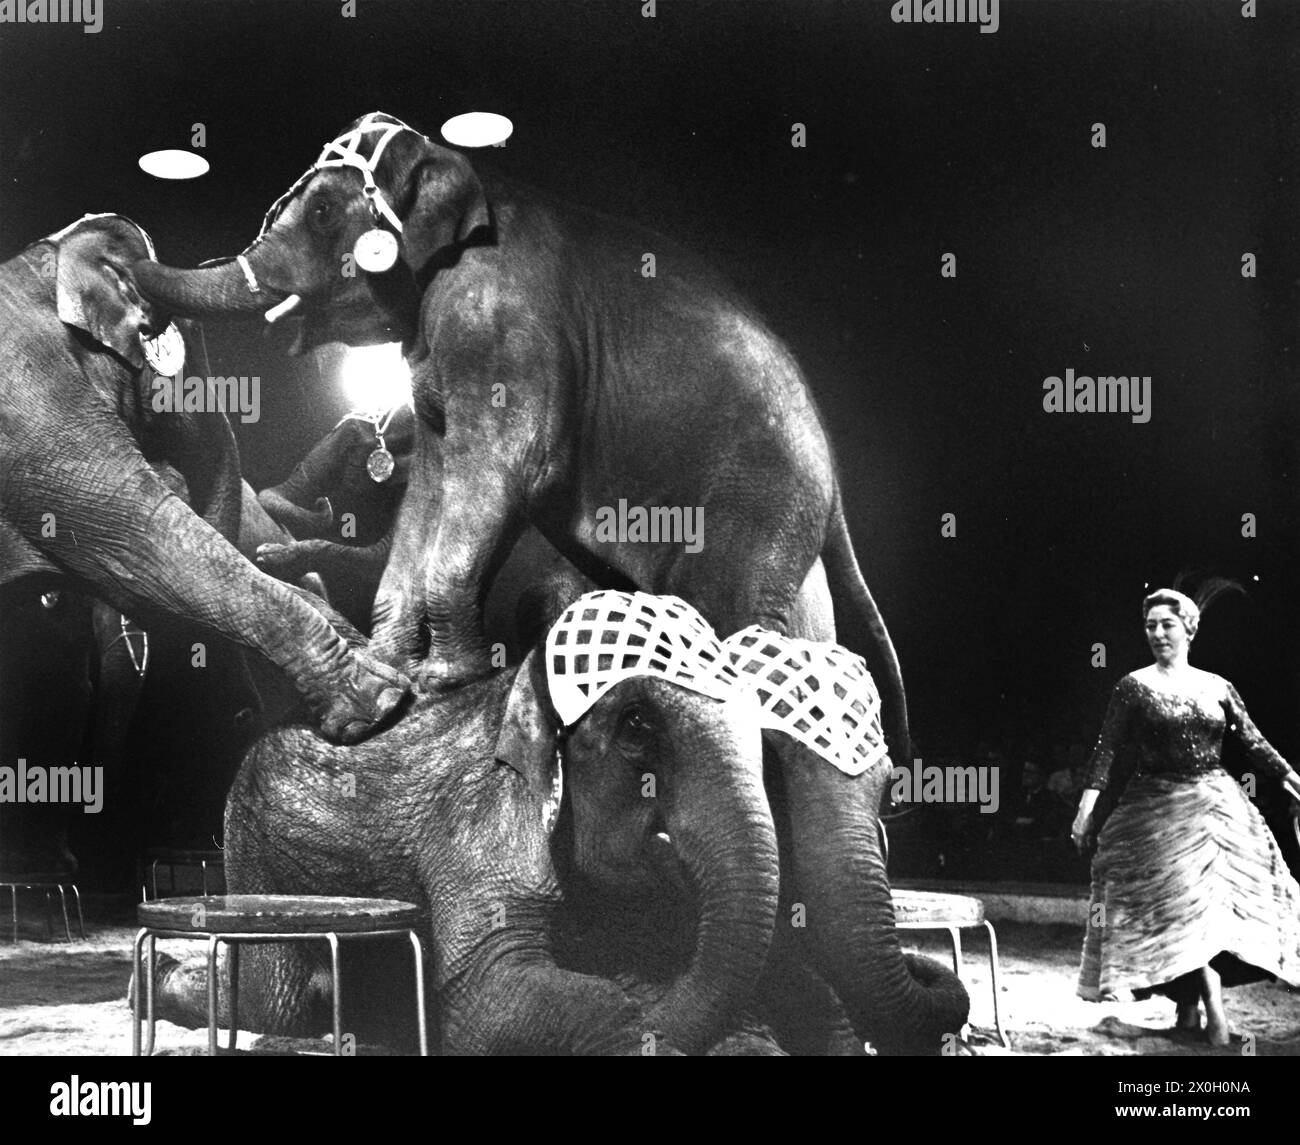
477	129
173	164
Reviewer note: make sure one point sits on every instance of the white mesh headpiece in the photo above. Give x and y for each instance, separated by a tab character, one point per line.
605	637
819	694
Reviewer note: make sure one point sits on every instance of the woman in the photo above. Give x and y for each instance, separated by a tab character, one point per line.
1189	889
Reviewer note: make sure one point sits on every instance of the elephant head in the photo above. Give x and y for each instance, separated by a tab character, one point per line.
348	248
662	791
95	286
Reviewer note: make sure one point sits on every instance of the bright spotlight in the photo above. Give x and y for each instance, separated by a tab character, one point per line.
477	129
173	164
375	377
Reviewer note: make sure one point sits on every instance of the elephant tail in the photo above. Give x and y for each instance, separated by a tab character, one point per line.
847	582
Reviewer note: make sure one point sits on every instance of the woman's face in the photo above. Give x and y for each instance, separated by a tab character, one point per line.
1166	634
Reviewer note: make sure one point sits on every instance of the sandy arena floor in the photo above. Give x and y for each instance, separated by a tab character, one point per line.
57	999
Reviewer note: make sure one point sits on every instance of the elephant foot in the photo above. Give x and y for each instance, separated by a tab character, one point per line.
438	675
371	694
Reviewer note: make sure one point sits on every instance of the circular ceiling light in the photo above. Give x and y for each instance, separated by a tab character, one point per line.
477	129
173	164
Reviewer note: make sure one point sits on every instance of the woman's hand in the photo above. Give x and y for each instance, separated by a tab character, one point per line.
1081	830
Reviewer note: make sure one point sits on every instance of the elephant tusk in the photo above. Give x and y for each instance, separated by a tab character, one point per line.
278	311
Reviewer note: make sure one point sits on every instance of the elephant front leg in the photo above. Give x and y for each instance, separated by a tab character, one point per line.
113	521
477	528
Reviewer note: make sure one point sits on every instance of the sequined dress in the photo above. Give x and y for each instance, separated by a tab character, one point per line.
1186	870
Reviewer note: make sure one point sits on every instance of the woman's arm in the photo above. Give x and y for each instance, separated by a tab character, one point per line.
1262	755
1097	776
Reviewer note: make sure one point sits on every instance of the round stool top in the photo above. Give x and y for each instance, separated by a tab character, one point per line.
270	914
184	856
931	908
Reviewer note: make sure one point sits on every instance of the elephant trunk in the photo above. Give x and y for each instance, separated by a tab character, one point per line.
722	831
211	292
901	1004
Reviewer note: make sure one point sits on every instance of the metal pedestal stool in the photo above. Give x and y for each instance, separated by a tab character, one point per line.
173	857
236	919
927	910
45	882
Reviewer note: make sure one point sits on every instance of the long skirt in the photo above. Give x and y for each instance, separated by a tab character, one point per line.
1187	872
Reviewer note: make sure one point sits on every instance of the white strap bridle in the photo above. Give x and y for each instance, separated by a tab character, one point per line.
341	152
345	152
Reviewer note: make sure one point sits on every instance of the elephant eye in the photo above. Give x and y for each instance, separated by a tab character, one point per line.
322	211
635	728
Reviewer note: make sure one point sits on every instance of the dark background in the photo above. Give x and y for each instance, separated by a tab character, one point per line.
920	140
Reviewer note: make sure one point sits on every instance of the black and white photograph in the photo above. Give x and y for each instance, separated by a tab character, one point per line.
651	528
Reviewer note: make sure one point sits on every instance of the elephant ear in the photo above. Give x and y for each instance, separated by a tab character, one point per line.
94	287
441	199
529	738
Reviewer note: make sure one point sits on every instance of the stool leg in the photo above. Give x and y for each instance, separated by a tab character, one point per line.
420	1018
13	896
203	875
139	987
81	919
149	1008
212	995
233	962
49	926
63	901
993	973
338	994
955	935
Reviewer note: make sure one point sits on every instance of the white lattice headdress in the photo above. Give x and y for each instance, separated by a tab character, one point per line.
605	637
819	694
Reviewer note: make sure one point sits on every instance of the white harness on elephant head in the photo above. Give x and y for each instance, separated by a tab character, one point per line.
345	152
819	694
376	250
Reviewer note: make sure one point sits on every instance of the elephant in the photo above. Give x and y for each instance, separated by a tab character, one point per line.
563	378
79	494
563	381
532	846
340	509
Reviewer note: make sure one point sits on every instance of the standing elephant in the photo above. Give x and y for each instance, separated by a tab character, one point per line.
563	378
531	844
78	494
593	379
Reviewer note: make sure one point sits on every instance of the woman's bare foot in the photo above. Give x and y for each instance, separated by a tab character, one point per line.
1216	1018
